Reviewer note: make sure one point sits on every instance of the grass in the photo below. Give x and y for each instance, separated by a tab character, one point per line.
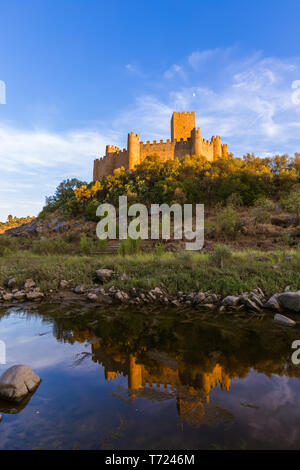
184	271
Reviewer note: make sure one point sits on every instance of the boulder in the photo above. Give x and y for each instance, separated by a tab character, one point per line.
290	301
63	284
251	305
272	303
61	227
11	282
282	221
34	295
157	291
29	283
92	297
198	298
19	295
8	297
230	301
104	274
17	382
23	230
208	306
121	296
284	320
256	300
79	290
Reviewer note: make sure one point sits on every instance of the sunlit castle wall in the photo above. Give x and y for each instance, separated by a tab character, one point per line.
185	140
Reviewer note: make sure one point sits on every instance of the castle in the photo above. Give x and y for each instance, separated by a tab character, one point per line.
185	140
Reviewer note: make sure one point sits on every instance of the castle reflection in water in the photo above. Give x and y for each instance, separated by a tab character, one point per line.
191	385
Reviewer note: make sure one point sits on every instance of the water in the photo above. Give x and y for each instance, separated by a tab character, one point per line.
122	380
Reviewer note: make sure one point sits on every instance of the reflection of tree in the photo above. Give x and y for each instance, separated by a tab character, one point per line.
236	346
164	358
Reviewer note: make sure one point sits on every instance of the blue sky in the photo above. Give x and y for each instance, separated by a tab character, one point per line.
83	73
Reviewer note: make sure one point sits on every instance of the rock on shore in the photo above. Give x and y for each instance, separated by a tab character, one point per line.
17	382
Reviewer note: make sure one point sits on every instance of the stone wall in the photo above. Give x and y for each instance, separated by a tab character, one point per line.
185	140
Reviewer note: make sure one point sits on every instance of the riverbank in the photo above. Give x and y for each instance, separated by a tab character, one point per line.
222	280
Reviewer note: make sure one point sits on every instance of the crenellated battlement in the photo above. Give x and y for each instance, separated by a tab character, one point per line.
184	113
185	139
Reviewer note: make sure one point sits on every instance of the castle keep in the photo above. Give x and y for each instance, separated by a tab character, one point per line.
185	140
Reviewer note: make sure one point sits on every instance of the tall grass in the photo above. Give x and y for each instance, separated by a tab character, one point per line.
184	271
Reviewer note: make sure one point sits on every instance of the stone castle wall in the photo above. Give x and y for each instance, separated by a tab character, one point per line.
185	140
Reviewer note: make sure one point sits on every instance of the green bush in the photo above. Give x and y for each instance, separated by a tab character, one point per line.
87	246
220	256
159	250
235	200
4	251
292	202
51	247
129	247
9	242
228	222
261	210
90	210
102	244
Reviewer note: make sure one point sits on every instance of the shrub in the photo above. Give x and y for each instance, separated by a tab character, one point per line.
86	245
262	208
9	242
220	256
90	210
159	250
292	202
51	247
102	244
228	222
235	200
129	246
4	251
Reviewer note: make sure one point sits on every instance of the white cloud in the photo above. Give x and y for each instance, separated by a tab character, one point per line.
134	69
197	58
173	71
33	162
40	150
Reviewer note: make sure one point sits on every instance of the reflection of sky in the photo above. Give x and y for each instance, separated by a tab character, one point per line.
76	405
273	417
29	340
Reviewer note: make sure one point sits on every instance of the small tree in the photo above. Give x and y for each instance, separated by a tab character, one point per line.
220	256
228	222
261	210
292	202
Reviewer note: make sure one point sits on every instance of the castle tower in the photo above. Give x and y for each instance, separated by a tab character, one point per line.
182	125
96	172
225	150
135	379
217	147
134	151
196	142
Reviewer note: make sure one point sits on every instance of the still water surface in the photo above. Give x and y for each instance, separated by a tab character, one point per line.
124	380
